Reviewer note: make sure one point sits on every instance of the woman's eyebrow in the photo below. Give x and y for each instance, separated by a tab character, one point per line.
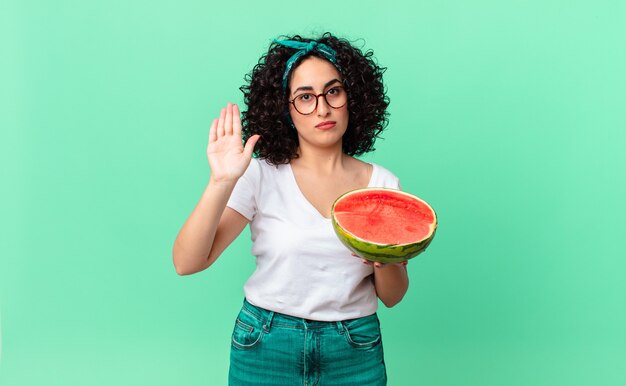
309	88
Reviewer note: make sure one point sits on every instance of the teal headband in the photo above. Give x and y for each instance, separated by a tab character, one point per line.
303	49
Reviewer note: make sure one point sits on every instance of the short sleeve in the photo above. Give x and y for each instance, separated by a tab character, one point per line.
244	196
383	178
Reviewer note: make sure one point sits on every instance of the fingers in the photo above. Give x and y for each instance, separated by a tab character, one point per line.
249	148
220	123
213	131
377	264
228	120
236	121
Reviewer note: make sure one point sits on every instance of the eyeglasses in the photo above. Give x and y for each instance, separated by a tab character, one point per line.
306	103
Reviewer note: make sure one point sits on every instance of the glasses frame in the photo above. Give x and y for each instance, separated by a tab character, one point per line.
317	98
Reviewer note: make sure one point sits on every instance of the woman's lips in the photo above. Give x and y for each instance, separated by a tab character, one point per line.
326	125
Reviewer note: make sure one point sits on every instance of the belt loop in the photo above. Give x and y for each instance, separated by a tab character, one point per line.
268	322
340	327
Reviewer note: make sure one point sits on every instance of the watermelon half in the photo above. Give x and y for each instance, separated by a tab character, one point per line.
384	225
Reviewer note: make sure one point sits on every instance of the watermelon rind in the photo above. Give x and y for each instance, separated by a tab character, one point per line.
382	253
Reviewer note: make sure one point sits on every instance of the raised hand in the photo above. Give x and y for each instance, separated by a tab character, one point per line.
227	156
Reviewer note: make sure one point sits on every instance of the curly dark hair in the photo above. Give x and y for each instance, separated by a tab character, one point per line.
267	103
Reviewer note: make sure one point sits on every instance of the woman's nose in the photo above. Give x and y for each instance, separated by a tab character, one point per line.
322	107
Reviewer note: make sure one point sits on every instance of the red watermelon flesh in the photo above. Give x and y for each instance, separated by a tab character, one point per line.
385	217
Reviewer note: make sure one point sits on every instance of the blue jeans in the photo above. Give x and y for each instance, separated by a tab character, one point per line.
274	349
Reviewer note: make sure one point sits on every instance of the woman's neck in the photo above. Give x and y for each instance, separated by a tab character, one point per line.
325	160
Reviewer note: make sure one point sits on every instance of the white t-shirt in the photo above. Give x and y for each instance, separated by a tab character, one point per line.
302	269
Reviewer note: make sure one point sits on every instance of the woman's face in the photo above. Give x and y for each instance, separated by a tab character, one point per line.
325	126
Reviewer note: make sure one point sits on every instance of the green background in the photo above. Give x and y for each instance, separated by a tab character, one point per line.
508	117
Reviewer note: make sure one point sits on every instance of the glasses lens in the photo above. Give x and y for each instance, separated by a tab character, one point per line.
336	97
305	103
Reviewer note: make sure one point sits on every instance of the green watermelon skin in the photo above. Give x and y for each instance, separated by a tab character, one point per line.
383	253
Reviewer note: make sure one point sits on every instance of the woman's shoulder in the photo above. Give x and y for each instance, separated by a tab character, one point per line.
381	169
261	175
265	166
383	177
261	168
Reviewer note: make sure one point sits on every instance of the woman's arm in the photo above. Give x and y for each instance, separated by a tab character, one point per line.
391	282
212	226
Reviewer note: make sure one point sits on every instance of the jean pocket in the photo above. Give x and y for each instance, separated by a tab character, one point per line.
363	333
248	331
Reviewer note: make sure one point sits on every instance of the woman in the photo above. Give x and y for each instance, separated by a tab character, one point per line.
309	314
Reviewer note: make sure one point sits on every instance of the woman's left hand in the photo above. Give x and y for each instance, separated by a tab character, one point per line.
377	264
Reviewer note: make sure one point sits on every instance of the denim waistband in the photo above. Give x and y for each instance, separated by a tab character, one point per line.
276	319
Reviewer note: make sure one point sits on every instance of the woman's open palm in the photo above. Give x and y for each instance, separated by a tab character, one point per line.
228	158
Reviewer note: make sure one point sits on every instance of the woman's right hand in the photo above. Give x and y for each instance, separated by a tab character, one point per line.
228	158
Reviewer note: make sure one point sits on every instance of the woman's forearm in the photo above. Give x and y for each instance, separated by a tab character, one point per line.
391	282
195	239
